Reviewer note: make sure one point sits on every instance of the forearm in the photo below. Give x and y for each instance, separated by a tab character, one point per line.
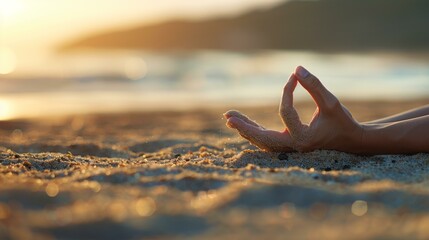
407	136
414	113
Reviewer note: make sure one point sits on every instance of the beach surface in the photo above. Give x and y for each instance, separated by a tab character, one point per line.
185	175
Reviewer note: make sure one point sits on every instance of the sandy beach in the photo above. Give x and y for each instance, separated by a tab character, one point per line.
185	175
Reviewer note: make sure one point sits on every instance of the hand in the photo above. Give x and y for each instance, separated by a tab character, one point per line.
332	126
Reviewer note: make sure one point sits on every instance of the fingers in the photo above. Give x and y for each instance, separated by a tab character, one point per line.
287	98
264	139
248	131
237	114
323	98
287	112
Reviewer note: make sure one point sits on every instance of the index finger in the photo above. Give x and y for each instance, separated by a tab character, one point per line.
287	112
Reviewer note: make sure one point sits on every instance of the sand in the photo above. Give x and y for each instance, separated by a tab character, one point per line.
184	175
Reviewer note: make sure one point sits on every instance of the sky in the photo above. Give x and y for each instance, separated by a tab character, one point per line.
31	30
33	24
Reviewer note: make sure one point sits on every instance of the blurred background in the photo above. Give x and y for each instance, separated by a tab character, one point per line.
66	57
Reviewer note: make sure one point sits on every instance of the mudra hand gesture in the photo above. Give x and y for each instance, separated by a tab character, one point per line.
332	126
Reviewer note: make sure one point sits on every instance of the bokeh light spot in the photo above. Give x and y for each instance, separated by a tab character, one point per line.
52	189
145	206
135	68
17	135
359	208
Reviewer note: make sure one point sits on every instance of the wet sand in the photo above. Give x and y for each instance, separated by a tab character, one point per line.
184	175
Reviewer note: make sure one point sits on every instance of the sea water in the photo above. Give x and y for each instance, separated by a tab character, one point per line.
105	81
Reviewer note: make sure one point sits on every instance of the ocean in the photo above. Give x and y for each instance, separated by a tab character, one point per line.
116	81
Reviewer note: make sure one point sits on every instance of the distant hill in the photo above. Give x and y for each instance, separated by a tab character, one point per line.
325	25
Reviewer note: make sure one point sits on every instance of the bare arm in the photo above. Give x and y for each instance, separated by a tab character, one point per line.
413	113
406	136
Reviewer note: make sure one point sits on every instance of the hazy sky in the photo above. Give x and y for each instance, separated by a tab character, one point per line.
33	24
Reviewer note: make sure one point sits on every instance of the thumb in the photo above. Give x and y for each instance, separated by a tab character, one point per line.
255	135
323	98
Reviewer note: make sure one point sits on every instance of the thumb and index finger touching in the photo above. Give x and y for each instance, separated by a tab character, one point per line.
255	133
322	97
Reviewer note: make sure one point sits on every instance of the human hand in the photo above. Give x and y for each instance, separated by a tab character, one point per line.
332	126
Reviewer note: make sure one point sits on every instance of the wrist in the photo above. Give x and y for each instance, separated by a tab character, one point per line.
358	139
373	138
351	140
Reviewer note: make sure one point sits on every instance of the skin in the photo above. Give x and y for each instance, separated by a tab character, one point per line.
413	113
333	126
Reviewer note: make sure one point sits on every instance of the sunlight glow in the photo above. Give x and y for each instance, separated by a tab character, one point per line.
7	60
5	110
10	8
28	24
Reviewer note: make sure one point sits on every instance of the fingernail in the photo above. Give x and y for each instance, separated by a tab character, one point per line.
231	123
230	113
302	72
235	122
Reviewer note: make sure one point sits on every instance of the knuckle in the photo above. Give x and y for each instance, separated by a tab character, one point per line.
333	104
314	82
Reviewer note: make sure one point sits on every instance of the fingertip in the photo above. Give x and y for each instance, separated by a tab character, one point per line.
301	72
230	113
313	86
